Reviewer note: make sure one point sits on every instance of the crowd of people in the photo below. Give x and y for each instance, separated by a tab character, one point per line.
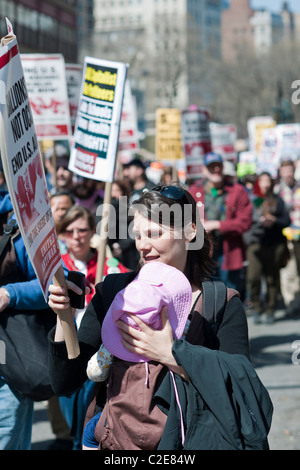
251	240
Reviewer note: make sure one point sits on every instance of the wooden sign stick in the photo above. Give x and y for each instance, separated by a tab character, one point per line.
103	233
67	319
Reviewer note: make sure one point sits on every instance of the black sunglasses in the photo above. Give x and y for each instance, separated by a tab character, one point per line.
171	192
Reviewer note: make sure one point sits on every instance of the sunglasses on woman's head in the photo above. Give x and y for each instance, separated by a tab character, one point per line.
171	192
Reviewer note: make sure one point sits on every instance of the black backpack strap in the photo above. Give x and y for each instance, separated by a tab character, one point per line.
7	233
214	300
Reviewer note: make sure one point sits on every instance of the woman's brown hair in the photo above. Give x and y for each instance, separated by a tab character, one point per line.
74	213
200	265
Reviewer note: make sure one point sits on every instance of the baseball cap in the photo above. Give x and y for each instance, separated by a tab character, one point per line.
156	285
212	158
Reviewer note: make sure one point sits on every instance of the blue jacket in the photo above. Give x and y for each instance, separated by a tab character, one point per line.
26	295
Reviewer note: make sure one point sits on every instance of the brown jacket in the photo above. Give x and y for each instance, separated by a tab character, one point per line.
130	419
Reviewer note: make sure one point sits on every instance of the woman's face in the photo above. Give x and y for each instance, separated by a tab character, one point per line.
78	236
116	191
159	243
265	184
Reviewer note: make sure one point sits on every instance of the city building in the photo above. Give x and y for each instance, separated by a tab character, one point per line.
237	36
288	19
85	27
255	31
267	29
164	42
49	26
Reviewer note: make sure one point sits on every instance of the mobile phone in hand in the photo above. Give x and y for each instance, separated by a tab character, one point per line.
76	300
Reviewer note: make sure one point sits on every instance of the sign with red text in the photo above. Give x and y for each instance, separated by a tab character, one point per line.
196	139
98	119
23	166
269	147
74	79
47	89
223	137
128	137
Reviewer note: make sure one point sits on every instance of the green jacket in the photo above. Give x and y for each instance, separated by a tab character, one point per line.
225	406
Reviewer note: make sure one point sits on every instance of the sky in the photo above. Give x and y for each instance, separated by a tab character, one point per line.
276	5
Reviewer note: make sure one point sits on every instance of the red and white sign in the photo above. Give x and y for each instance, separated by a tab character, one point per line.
45	77
269	148
128	137
196	139
223	137
74	78
23	167
280	143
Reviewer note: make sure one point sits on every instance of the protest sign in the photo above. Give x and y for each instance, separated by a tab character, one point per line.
288	141
269	148
246	164
168	134
128	137
47	89
25	178
279	143
73	78
196	139
223	138
96	134
256	125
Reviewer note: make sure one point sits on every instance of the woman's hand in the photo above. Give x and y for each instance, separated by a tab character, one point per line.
59	300
153	344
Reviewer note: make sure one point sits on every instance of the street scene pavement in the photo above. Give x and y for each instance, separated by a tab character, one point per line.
274	355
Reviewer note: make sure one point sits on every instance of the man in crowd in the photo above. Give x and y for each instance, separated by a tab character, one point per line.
289	189
136	174
59	177
227	215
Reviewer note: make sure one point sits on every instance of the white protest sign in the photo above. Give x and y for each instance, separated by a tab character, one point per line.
47	88
269	148
196	139
98	119
223	137
23	168
74	79
128	137
288	141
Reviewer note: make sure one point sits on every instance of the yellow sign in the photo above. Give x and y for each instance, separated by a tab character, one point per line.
168	134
